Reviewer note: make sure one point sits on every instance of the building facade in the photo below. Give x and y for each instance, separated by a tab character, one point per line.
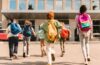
36	11
0	14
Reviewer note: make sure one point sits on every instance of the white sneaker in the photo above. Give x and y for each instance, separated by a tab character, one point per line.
15	56
28	55
86	62
11	58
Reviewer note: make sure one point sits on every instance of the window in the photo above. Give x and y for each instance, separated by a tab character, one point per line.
58	5
68	4
50	4
31	4
12	4
40	4
77	4
96	26
87	3
96	4
22	4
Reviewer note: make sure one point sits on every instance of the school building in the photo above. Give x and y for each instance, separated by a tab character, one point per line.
36	11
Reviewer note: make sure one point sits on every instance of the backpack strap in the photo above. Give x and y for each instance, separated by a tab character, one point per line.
53	25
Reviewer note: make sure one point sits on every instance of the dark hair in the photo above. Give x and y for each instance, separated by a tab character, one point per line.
83	9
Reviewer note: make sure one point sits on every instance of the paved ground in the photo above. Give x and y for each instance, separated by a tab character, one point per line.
73	55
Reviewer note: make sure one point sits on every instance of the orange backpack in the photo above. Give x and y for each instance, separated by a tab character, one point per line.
52	31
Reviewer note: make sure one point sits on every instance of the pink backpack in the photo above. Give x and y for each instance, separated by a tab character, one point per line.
84	22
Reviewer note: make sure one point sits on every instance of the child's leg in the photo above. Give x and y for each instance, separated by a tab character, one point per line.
61	47
83	46
15	47
52	51
49	54
11	45
87	47
28	42
24	46
41	44
42	47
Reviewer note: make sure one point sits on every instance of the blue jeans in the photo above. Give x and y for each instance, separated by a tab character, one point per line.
13	45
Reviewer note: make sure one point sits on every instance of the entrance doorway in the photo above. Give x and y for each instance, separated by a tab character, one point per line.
96	28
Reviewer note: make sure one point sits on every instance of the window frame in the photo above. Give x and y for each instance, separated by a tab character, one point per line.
43	3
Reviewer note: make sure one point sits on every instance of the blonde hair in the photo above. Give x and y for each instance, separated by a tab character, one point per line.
28	22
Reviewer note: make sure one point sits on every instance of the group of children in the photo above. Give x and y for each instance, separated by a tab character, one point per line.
13	31
50	32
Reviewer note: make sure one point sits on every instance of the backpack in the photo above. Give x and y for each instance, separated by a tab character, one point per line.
84	22
15	28
27	31
52	32
64	33
41	34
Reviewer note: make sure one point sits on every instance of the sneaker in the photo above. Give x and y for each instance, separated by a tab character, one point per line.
24	55
15	56
62	55
53	57
86	62
28	55
42	55
88	59
11	58
63	51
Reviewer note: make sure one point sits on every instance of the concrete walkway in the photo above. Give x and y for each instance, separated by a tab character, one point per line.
73	55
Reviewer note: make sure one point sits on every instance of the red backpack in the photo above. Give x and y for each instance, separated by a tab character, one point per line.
64	33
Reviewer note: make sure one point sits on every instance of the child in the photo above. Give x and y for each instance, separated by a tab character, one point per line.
42	42
64	34
84	25
28	31
51	29
13	30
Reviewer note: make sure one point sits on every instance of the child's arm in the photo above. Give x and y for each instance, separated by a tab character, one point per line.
33	32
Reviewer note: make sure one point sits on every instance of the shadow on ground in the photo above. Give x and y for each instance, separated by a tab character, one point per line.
42	63
25	63
35	55
4	58
68	63
36	63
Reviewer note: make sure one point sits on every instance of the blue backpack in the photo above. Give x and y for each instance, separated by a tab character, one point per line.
27	31
15	28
